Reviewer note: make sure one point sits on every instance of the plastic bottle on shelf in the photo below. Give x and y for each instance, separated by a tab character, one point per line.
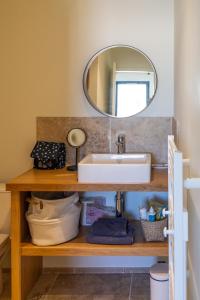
152	215
143	213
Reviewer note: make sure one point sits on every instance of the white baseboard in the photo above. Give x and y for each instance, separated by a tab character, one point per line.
99	262
96	270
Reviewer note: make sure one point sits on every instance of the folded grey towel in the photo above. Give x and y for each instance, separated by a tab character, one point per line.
110	227
112	240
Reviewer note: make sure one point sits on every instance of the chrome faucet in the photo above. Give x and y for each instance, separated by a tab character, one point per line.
121	144
120	204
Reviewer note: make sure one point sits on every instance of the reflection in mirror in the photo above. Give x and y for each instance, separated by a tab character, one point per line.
120	81
76	138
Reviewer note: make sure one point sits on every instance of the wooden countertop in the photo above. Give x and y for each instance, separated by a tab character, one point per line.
63	180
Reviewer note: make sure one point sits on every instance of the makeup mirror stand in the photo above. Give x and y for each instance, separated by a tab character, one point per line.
74	167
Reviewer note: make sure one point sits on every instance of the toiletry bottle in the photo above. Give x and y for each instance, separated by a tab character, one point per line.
143	213
152	215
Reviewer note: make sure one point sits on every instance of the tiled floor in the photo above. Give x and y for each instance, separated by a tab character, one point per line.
54	285
6	290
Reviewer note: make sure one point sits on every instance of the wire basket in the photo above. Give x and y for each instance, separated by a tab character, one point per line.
153	231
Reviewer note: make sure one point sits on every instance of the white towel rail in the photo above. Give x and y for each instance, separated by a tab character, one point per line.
177	230
178	184
192	183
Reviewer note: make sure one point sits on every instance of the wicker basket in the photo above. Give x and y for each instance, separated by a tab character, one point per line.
153	231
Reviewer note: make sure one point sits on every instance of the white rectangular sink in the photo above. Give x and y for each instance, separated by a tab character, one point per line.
115	168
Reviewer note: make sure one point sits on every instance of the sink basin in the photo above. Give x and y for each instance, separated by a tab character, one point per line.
115	168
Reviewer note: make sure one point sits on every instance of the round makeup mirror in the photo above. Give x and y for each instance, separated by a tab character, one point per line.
76	138
120	81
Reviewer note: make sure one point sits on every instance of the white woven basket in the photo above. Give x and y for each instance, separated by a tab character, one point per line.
55	231
50	208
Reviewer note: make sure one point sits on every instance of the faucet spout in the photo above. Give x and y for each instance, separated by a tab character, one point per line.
121	144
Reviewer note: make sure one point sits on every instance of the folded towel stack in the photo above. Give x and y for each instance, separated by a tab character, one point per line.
113	231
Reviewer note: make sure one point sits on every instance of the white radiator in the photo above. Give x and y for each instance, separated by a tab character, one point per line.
178	220
178	224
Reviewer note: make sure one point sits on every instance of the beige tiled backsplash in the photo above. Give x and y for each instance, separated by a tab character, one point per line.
143	134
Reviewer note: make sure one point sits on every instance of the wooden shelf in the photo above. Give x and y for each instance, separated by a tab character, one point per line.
79	247
63	180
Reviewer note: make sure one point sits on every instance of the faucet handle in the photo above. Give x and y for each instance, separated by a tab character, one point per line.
121	144
121	138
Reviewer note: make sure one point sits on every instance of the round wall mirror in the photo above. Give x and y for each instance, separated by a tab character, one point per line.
120	81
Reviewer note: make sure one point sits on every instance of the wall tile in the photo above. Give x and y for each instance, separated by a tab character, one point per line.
175	130
143	134
56	129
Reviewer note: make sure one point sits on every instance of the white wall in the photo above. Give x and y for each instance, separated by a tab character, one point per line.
187	112
45	46
5	198
147	25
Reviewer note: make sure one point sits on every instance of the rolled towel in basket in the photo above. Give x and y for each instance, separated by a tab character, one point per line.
128	239
115	227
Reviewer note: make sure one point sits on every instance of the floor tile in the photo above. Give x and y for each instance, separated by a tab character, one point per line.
6	295
140	280
85	297
139	297
43	285
140	287
99	270
67	297
92	284
136	270
140	292
110	297
60	286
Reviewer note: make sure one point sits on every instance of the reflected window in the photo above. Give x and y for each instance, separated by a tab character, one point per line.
131	96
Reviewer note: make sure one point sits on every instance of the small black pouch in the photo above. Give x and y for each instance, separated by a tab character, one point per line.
49	155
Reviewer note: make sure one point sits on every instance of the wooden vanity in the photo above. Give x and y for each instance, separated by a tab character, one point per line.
27	258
